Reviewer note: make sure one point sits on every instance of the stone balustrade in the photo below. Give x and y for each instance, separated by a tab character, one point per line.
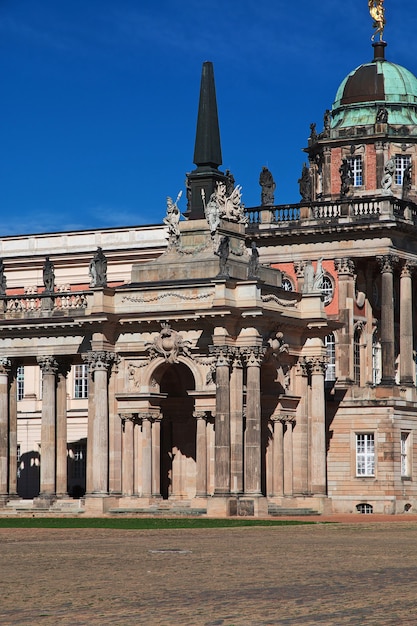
352	209
33	303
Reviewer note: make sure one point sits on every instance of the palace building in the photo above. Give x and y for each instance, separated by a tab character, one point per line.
240	361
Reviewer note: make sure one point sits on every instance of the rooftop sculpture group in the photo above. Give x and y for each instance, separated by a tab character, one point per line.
224	205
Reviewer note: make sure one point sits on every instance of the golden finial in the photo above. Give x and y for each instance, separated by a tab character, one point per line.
377	11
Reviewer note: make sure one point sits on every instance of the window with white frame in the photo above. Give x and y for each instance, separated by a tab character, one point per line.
355	164
327	289
330	345
80	381
20	382
365	454
365	508
402	161
406	454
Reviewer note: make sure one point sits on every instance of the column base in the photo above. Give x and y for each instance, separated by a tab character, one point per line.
99	504
44	500
387	382
241	506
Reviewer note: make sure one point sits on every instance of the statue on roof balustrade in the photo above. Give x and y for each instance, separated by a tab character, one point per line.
48	275
377	11
172	219
98	269
268	187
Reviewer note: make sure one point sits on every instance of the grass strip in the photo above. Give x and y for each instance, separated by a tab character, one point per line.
141	523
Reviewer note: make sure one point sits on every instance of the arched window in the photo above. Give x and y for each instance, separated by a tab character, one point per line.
365	508
330	344
286	284
327	289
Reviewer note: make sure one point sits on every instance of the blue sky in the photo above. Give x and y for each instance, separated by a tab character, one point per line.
99	97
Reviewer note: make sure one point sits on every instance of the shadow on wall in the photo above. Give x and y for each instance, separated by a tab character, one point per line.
28	475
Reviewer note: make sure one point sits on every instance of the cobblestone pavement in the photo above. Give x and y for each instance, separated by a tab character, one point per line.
332	574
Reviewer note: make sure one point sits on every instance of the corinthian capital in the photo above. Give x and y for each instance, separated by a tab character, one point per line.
387	263
100	360
48	364
317	364
344	266
408	268
253	356
222	354
5	365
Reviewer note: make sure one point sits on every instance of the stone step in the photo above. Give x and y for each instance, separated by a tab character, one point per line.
159	511
277	511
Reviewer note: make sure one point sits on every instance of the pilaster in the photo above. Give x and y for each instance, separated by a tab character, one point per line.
407	366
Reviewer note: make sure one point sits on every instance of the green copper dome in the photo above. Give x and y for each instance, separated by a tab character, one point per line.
372	86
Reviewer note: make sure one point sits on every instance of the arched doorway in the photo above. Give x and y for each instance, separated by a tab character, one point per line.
178	432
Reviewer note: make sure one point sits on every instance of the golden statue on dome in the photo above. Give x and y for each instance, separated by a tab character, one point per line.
377	11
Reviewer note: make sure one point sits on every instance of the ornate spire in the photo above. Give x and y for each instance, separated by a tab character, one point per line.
201	182
207	151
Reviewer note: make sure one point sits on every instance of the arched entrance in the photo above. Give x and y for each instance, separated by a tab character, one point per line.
178	432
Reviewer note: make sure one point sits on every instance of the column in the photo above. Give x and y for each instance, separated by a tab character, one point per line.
236	425
5	365
49	368
253	358
346	281
146	454
318	426
99	364
156	456
278	458
300	434
287	422
90	428
201	461
407	367
387	263
61	430
222	423
13	433
128	467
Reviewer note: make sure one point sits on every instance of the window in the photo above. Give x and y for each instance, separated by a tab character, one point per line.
20	382
406	455
357	356
365	508
330	344
327	289
402	161
376	360
81	381
355	164
286	284
365	454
